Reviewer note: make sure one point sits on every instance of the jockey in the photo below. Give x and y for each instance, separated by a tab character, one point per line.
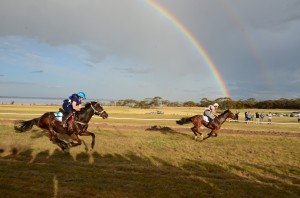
73	103
210	111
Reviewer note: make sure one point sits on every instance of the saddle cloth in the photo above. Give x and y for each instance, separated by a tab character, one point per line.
205	118
58	116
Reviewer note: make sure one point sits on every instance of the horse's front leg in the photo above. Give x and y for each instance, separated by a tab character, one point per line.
87	133
75	138
213	133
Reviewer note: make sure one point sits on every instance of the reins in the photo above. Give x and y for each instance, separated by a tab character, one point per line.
95	111
80	122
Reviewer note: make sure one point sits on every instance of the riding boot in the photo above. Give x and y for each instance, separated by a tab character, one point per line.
65	118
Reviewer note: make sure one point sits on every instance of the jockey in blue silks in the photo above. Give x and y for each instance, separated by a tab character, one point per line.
211	112
73	103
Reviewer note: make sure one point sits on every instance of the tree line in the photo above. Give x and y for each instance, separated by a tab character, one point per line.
224	102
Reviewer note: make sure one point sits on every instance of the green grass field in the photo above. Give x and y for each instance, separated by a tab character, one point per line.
129	161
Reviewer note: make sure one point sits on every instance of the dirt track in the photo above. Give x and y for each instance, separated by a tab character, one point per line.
180	129
187	130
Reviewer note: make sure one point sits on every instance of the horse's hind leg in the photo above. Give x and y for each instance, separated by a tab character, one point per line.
63	145
194	129
196	132
54	138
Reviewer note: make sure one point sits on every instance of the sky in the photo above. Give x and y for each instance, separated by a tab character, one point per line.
137	49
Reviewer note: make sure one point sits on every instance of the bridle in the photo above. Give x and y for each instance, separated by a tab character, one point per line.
96	111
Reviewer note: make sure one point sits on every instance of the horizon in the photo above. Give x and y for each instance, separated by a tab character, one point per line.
103	99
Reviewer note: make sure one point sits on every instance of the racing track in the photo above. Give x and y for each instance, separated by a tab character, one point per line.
179	129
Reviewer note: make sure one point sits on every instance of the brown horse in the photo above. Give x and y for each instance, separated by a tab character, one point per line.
198	121
79	126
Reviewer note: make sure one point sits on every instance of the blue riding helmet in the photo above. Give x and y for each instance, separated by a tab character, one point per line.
82	95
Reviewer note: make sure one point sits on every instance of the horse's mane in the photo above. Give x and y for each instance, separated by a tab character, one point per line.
226	111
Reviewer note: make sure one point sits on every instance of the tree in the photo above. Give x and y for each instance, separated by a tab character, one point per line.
204	102
156	101
224	102
189	104
165	102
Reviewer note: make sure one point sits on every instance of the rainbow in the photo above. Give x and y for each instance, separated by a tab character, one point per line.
194	42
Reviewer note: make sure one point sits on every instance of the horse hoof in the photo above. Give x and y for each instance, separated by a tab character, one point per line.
201	137
66	150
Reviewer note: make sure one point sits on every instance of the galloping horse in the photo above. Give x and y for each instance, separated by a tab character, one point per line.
198	121
79	126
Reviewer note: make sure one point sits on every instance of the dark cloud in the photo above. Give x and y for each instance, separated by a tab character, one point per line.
253	43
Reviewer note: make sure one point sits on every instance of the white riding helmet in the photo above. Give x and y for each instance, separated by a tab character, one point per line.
216	105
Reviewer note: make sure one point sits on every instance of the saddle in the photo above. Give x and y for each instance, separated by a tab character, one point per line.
205	118
61	112
71	119
58	116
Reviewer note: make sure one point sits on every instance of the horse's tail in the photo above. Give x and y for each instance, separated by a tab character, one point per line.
23	125
184	120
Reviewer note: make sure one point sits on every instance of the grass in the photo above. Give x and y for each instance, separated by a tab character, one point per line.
287	124
133	162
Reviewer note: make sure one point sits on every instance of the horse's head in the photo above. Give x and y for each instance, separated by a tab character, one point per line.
230	114
98	110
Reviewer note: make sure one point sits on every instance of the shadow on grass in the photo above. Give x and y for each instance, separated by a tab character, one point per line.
160	129
37	133
131	175
167	130
91	174
274	174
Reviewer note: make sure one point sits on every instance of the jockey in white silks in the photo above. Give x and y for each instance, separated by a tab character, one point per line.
211	111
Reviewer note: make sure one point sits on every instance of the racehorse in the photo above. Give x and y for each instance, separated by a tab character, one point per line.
79	126
215	125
